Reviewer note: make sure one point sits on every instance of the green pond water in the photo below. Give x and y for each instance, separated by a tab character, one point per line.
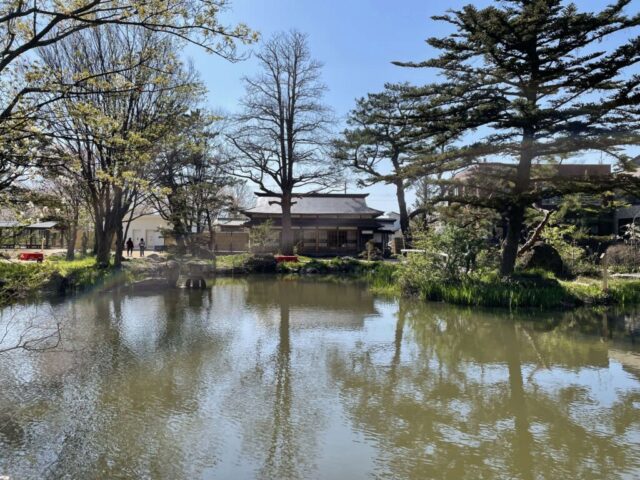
279	379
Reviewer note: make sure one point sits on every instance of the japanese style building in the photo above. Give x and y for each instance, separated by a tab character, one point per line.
325	224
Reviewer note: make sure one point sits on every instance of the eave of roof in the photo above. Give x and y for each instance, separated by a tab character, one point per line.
315	205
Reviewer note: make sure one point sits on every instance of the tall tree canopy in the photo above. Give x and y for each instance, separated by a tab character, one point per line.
110	131
382	139
192	177
388	134
533	75
26	26
280	142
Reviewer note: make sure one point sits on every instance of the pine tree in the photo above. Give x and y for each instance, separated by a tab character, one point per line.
382	141
534	76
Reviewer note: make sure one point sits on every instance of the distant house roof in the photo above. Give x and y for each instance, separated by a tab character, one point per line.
9	224
35	226
230	222
317	204
389	222
563	170
43	225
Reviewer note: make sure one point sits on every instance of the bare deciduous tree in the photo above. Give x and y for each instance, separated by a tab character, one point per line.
28	26
281	136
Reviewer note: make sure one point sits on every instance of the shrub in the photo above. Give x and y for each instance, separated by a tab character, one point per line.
449	254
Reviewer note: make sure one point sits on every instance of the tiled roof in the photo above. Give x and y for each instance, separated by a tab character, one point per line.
317	204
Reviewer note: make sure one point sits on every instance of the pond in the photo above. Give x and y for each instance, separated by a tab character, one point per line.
280	379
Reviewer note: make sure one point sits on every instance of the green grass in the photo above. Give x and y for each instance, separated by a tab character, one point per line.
529	290
232	261
382	278
19	279
498	294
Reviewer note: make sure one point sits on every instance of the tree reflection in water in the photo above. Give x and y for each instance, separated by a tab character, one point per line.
281	398
474	396
281	379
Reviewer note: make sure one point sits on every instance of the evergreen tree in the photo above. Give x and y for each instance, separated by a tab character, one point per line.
382	140
533	75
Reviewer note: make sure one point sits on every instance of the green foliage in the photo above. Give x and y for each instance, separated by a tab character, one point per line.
382	278
624	258
232	261
22	279
493	294
625	292
262	235
447	254
529	79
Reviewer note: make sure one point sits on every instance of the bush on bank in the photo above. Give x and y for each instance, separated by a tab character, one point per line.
527	289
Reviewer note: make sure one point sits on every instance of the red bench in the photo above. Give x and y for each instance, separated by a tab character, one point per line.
31	257
286	258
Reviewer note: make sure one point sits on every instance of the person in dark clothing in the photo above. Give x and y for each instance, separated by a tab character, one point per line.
129	247
142	245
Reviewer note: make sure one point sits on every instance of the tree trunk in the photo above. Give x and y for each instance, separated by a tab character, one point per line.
71	239
104	239
402	207
515	216
212	234
286	239
117	260
515	220
85	242
96	234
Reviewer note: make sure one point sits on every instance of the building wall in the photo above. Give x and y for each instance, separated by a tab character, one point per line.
326	241
231	242
150	228
624	216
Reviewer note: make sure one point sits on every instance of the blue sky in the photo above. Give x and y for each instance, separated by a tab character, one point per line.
355	39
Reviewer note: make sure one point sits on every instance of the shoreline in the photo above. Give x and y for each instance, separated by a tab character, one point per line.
21	281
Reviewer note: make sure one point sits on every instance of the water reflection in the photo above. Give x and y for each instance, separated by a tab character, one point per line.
477	397
300	379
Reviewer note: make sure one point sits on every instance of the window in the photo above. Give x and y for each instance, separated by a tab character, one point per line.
337	238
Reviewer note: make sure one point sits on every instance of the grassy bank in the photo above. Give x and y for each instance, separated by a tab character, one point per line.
525	291
380	277
538	290
21	279
533	289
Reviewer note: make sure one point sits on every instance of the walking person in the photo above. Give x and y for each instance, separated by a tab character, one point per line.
129	247
142	245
